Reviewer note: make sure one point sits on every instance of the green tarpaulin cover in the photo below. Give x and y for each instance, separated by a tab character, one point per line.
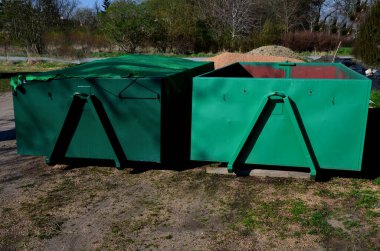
128	66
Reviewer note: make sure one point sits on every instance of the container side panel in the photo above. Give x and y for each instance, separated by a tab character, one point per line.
222	110
39	114
334	115
332	112
131	105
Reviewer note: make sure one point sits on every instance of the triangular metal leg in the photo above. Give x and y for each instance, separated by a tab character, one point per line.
71	123
297	126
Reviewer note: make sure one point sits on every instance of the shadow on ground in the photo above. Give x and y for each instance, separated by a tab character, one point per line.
369	168
8	135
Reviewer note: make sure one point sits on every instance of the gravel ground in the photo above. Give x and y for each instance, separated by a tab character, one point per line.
274	50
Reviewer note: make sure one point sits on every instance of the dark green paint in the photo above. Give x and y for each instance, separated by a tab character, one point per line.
134	108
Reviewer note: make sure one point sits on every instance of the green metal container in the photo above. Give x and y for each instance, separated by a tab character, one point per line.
129	108
281	114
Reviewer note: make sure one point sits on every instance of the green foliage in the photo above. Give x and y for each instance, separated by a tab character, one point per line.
375	98
204	39
270	34
9	70
174	26
367	45
377	181
26	21
345	51
178	24
129	24
106	4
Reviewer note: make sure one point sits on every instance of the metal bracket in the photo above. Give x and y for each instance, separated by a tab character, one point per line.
297	126
71	122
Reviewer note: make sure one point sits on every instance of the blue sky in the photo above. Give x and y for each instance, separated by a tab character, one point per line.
89	3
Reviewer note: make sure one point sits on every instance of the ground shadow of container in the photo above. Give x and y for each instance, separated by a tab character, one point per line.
370	167
8	135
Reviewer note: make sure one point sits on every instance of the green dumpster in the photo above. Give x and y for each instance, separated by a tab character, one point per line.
281	114
128	108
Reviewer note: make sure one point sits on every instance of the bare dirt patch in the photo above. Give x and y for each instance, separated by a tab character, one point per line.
66	208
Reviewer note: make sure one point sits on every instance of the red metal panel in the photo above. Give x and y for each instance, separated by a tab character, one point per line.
317	72
264	71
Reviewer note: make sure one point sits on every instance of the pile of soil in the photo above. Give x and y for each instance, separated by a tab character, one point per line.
274	50
228	58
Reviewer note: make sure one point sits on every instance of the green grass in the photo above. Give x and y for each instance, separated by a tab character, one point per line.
9	69
377	181
365	198
325	193
281	216
341	212
375	98
351	224
343	51
298	208
6	67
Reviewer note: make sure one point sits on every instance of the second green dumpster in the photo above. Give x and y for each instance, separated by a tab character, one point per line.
281	114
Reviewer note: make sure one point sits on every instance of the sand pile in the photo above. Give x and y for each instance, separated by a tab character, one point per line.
229	58
274	50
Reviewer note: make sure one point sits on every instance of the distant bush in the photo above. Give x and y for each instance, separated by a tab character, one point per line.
270	34
367	44
309	41
73	43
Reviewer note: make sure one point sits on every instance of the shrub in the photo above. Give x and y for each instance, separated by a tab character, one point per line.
309	41
367	44
270	34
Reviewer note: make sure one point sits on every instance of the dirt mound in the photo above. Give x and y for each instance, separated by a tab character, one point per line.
274	50
229	58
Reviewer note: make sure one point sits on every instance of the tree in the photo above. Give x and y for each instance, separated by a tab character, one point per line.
24	24
26	21
367	44
314	13
106	4
234	17
4	35
177	21
86	17
127	24
67	8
